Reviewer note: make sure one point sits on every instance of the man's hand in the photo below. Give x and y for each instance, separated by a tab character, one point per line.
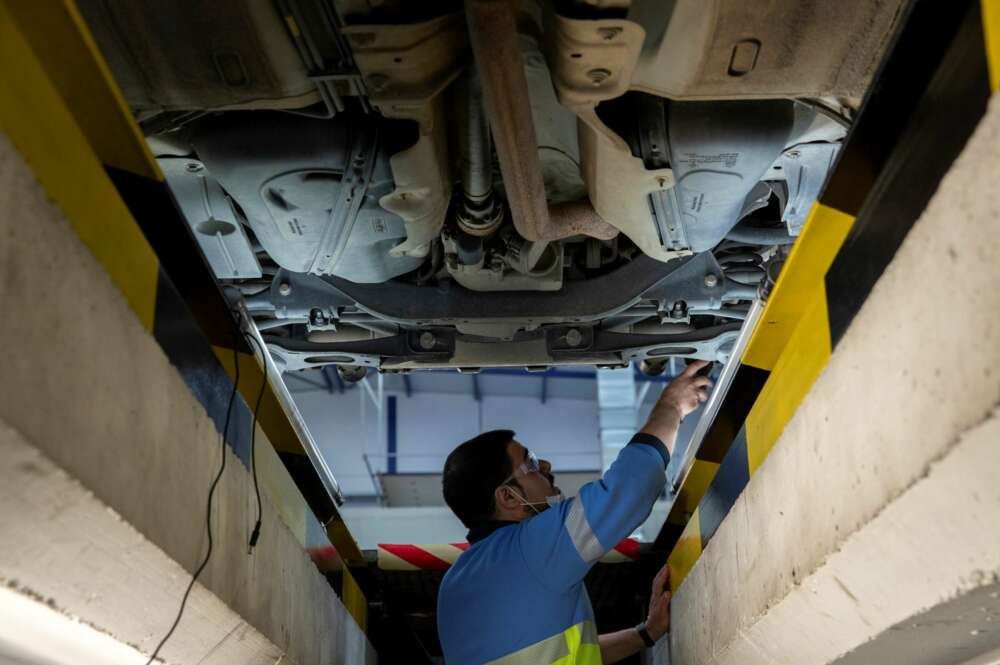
658	621
624	643
678	399
686	391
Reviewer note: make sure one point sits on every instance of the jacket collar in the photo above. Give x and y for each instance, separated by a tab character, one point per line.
481	531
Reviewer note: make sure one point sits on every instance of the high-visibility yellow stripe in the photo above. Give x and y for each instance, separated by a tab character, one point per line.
991	34
354	600
803	359
36	119
577	645
63	43
807	263
685	553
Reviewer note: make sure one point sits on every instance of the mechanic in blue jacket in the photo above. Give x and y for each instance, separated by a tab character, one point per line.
517	596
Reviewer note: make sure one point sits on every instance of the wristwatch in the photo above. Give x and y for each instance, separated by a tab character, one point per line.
646	637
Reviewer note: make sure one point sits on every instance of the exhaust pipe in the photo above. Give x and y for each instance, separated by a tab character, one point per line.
493	34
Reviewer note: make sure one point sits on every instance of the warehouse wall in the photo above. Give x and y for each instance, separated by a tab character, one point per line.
430	425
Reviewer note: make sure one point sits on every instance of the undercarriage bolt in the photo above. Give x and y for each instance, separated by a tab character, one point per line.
574	337
427	340
317	317
711	280
285	288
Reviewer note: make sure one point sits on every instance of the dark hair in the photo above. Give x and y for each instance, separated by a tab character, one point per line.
472	472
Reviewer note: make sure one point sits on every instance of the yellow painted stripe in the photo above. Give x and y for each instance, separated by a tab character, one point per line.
62	42
293	27
354	600
991	33
685	553
33	115
803	359
696	485
347	546
807	263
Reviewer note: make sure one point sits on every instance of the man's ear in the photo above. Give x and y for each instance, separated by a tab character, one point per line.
505	499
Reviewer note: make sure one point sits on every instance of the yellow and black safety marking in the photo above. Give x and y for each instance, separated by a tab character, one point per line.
747	383
926	101
63	112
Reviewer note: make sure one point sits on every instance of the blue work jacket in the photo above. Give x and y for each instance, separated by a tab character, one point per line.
517	597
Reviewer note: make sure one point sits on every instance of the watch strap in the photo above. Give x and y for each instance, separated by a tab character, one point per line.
644	634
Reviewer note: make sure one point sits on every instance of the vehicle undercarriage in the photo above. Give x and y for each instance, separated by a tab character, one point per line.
420	185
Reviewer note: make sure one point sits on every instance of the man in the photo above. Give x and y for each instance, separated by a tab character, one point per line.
516	596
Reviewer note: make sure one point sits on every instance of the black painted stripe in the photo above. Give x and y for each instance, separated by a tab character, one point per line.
743	391
729	481
937	127
155	211
192	316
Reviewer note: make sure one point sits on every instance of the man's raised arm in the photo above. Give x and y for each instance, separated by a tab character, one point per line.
561	544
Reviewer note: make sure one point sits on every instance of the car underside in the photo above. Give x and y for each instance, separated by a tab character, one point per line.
401	185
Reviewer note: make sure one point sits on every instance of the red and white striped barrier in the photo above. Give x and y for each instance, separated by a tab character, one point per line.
440	557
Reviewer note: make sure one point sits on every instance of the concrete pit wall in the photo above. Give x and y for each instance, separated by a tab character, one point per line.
108	460
880	501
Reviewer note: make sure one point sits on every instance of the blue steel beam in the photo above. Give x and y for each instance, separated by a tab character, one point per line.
390	433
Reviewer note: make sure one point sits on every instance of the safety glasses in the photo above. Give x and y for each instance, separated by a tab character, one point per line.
529	465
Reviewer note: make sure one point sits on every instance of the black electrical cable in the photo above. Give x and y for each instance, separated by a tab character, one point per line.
211	493
253	447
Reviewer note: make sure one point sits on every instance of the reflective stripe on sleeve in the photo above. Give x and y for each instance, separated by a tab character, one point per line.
586	543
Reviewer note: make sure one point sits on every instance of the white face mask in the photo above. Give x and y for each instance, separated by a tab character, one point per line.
551	501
